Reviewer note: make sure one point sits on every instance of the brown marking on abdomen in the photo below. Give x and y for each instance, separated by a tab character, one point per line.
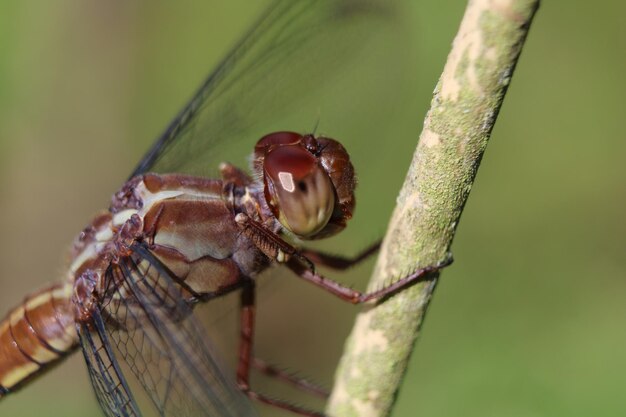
36	335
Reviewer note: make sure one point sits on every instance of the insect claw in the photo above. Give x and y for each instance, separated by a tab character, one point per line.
446	261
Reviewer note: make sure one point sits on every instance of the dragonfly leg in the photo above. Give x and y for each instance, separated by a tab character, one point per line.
246	340
271	244
279	250
298	382
283	405
276	248
340	262
357	297
245	355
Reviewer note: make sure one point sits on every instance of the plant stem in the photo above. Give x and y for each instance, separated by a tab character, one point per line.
456	131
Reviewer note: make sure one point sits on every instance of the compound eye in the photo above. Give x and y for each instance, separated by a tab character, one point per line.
278	139
298	190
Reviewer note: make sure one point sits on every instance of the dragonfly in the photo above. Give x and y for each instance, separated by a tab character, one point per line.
173	237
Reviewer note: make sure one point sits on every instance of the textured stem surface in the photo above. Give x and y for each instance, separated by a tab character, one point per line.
464	108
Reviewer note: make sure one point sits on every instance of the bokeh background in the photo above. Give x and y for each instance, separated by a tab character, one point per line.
530	319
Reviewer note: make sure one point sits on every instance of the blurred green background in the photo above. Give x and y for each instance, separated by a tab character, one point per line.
530	319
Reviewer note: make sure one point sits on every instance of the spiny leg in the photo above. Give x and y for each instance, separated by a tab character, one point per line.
246	330
282	375
340	262
276	248
245	355
357	297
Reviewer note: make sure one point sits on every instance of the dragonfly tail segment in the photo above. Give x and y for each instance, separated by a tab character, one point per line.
36	335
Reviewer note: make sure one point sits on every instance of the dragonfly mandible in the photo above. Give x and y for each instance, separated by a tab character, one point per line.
172	239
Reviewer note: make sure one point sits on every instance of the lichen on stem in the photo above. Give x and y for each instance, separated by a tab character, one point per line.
456	131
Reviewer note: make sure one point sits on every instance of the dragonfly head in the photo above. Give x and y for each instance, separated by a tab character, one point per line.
308	182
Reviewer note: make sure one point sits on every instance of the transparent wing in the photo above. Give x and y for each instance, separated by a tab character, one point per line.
106	377
275	79
152	329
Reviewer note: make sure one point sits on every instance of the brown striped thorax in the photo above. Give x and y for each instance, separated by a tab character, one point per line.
210	234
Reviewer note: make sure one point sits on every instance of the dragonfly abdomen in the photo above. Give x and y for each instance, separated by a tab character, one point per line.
35	335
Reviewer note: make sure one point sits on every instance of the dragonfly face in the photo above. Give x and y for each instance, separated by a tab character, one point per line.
308	182
128	294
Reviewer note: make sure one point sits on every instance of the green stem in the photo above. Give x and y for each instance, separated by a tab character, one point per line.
456	131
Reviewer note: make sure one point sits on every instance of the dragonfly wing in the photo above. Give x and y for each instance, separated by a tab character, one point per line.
154	331
106	377
292	53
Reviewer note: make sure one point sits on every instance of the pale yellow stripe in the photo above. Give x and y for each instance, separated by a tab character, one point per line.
18	374
63	293
38	300
65	343
16	316
43	355
121	217
87	253
4	327
104	235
